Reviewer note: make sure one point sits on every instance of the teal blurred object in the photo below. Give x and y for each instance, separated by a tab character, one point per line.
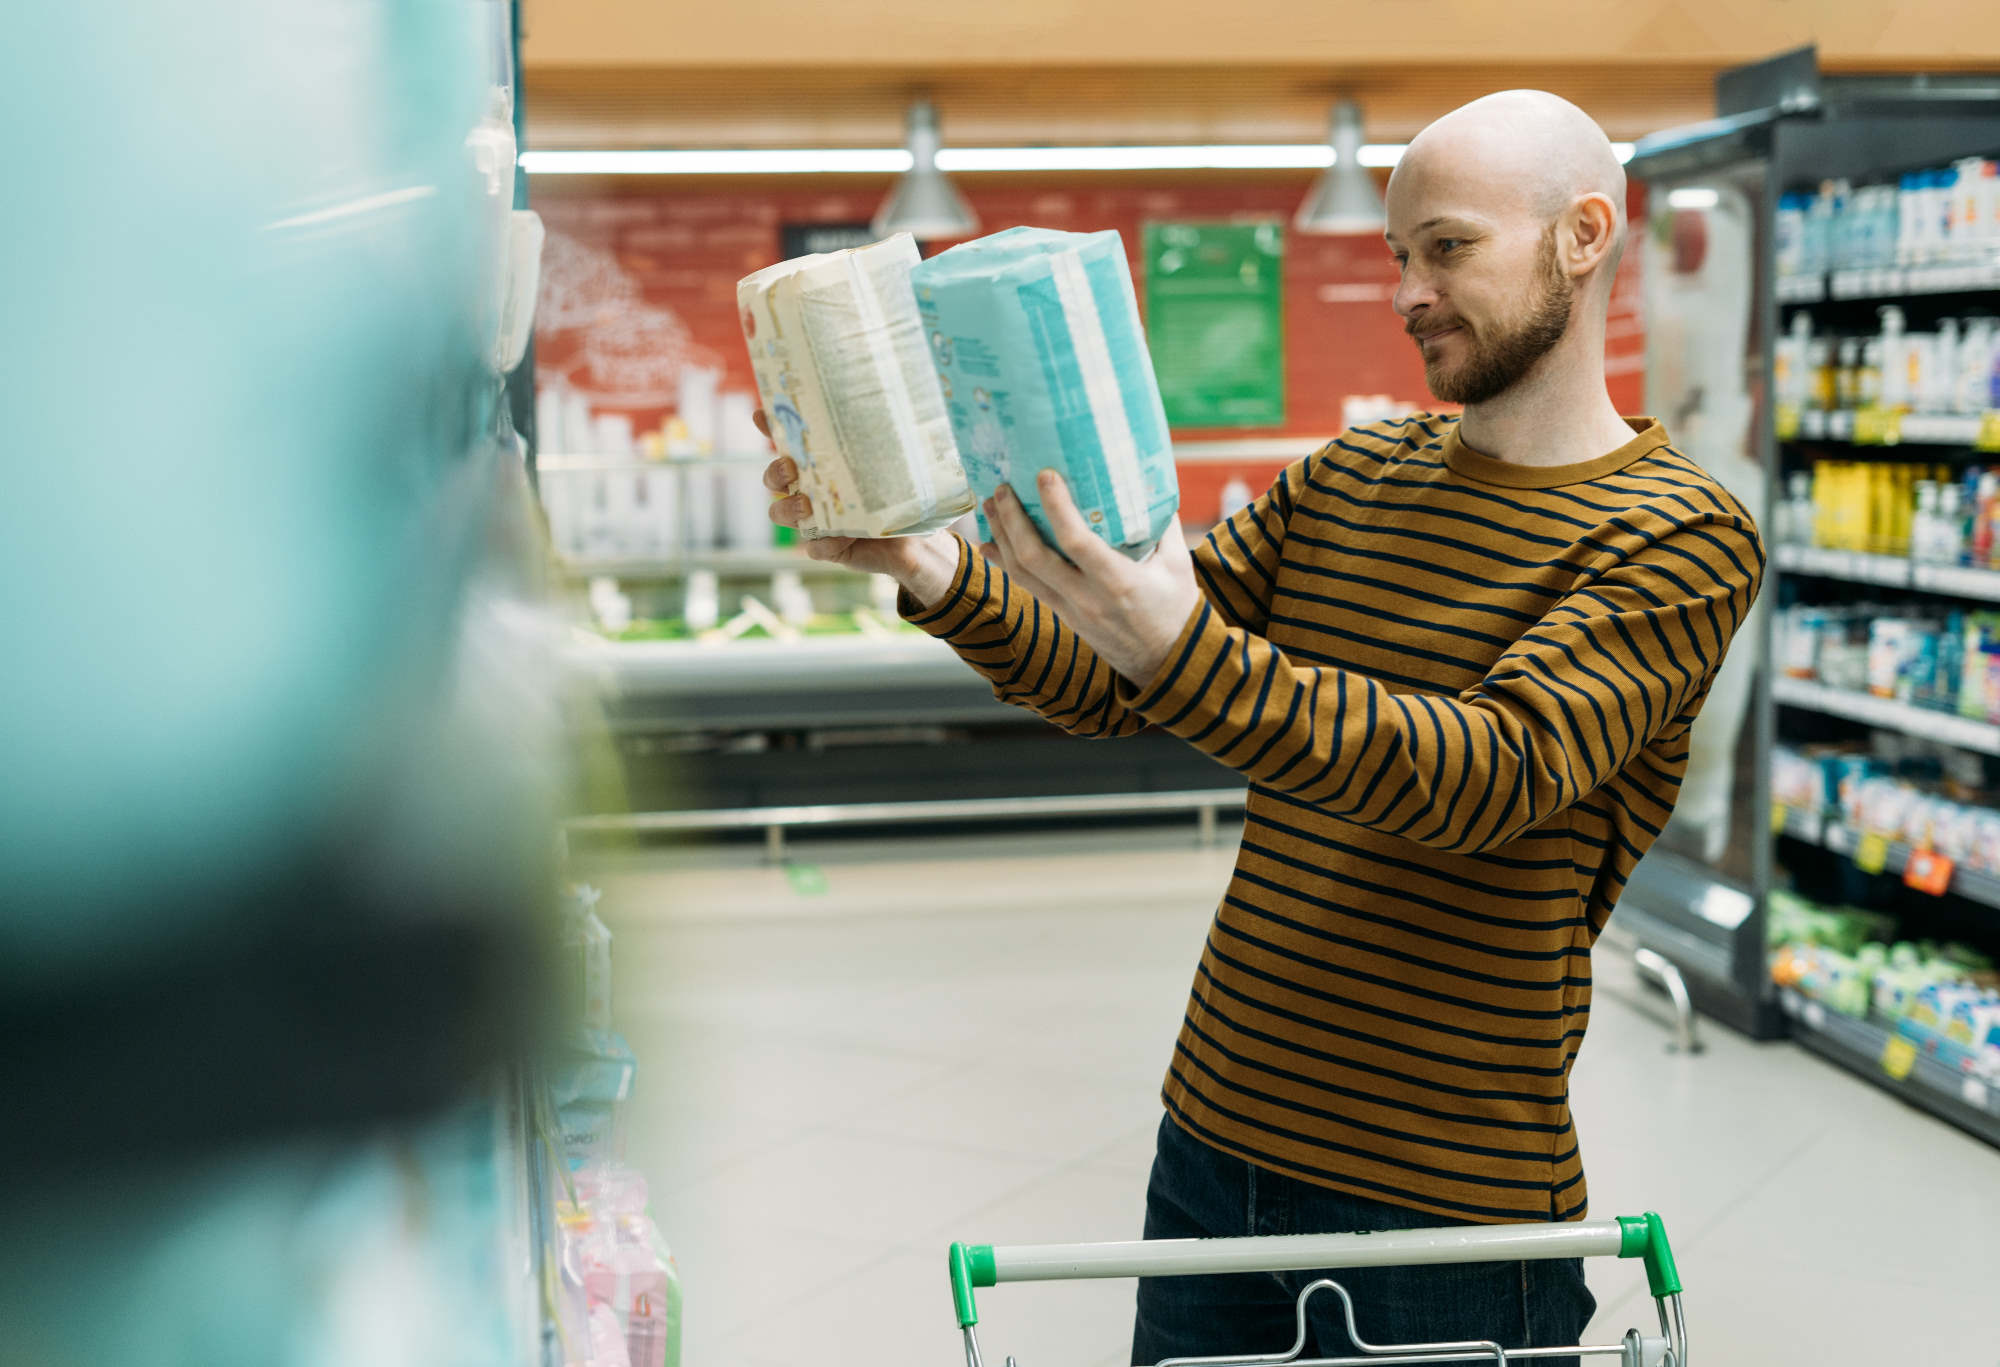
278	717
249	268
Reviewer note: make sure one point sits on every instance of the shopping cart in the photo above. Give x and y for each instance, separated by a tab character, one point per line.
1643	1237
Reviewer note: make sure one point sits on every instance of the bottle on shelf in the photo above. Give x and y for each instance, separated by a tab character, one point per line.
1983	513
1949	546
1895	386
1847	373
1924	527
1821	377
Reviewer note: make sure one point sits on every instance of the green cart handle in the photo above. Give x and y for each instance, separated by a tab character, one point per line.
1631	1236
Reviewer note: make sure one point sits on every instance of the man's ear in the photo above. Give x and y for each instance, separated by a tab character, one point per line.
1593	235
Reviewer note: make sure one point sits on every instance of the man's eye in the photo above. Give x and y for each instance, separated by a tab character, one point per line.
1447	245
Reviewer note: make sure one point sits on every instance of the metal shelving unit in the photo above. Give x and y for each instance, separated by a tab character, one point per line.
1936	1079
1886	284
1906	429
1889	571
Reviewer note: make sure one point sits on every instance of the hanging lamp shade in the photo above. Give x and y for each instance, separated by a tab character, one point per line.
1344	198
924	203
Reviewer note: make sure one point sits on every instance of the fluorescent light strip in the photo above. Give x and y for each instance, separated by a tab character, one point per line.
1303	156
1693	197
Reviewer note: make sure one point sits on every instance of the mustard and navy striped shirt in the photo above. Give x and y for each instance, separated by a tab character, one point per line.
1461	691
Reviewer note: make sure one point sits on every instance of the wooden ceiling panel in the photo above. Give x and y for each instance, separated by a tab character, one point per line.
1006	106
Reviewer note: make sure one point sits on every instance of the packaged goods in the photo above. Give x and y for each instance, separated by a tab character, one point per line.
852	397
1044	363
587	956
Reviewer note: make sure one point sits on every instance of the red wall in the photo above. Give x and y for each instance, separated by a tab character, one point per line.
638	281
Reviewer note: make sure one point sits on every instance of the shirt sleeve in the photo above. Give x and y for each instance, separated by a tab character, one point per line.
1621	661
1034	660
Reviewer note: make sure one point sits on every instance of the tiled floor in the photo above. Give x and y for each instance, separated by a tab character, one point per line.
964	1040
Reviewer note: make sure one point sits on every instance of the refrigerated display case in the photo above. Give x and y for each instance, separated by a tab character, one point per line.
1723	217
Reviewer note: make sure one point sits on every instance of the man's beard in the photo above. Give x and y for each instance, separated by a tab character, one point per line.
1492	366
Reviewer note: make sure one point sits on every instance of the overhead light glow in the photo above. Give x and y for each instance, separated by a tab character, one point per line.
1693	197
894	161
805	161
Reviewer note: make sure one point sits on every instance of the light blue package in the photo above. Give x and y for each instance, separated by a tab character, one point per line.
1038	342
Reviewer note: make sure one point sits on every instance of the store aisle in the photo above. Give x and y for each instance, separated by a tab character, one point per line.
847	1064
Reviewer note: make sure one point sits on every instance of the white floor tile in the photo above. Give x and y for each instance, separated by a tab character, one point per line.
966	1040
856	1187
1010	1110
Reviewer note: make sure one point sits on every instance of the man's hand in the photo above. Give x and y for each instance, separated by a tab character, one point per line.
924	565
1130	613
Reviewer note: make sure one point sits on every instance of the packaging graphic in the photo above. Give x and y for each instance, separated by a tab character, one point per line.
1037	339
850	392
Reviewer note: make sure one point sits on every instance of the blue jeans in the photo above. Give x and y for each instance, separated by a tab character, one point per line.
1198	1192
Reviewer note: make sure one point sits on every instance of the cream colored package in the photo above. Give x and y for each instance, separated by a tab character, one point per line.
847	382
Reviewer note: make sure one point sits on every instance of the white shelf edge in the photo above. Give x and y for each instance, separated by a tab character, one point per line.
1889	716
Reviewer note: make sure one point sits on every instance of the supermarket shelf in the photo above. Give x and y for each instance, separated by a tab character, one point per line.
546	464
1800	289
1887	282
1815	829
1921	722
1896	282
1891	571
1936	1082
725	563
1819	424
1911	429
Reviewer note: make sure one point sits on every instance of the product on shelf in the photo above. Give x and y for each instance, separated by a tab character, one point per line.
1925	512
851	392
1928	797
1038	339
1946	214
1954	369
688	489
586	947
1949	663
615	1251
1945	998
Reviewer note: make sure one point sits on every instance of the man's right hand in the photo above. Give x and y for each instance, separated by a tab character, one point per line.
923	565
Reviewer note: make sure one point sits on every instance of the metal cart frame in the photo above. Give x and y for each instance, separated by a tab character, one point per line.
1643	1237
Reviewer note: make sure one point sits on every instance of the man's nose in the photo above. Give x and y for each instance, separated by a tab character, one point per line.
1413	294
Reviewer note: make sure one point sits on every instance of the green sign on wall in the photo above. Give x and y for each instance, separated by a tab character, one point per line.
1215	322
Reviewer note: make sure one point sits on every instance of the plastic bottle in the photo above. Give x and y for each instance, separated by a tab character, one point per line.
1941	375
1950	545
1789	361
1868	379
1924	523
1982	520
1822	382
1975	359
1972	671
1803	520
1951	656
703	605
1895	359
1847	373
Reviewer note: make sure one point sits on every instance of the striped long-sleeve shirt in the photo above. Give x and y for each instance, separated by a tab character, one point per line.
1461	691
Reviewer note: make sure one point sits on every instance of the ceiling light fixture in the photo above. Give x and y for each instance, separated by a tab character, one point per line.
924	203
1344	199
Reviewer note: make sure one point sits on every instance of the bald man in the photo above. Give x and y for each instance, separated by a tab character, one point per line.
1457	659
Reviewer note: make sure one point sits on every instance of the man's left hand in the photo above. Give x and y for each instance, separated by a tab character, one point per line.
1131	613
